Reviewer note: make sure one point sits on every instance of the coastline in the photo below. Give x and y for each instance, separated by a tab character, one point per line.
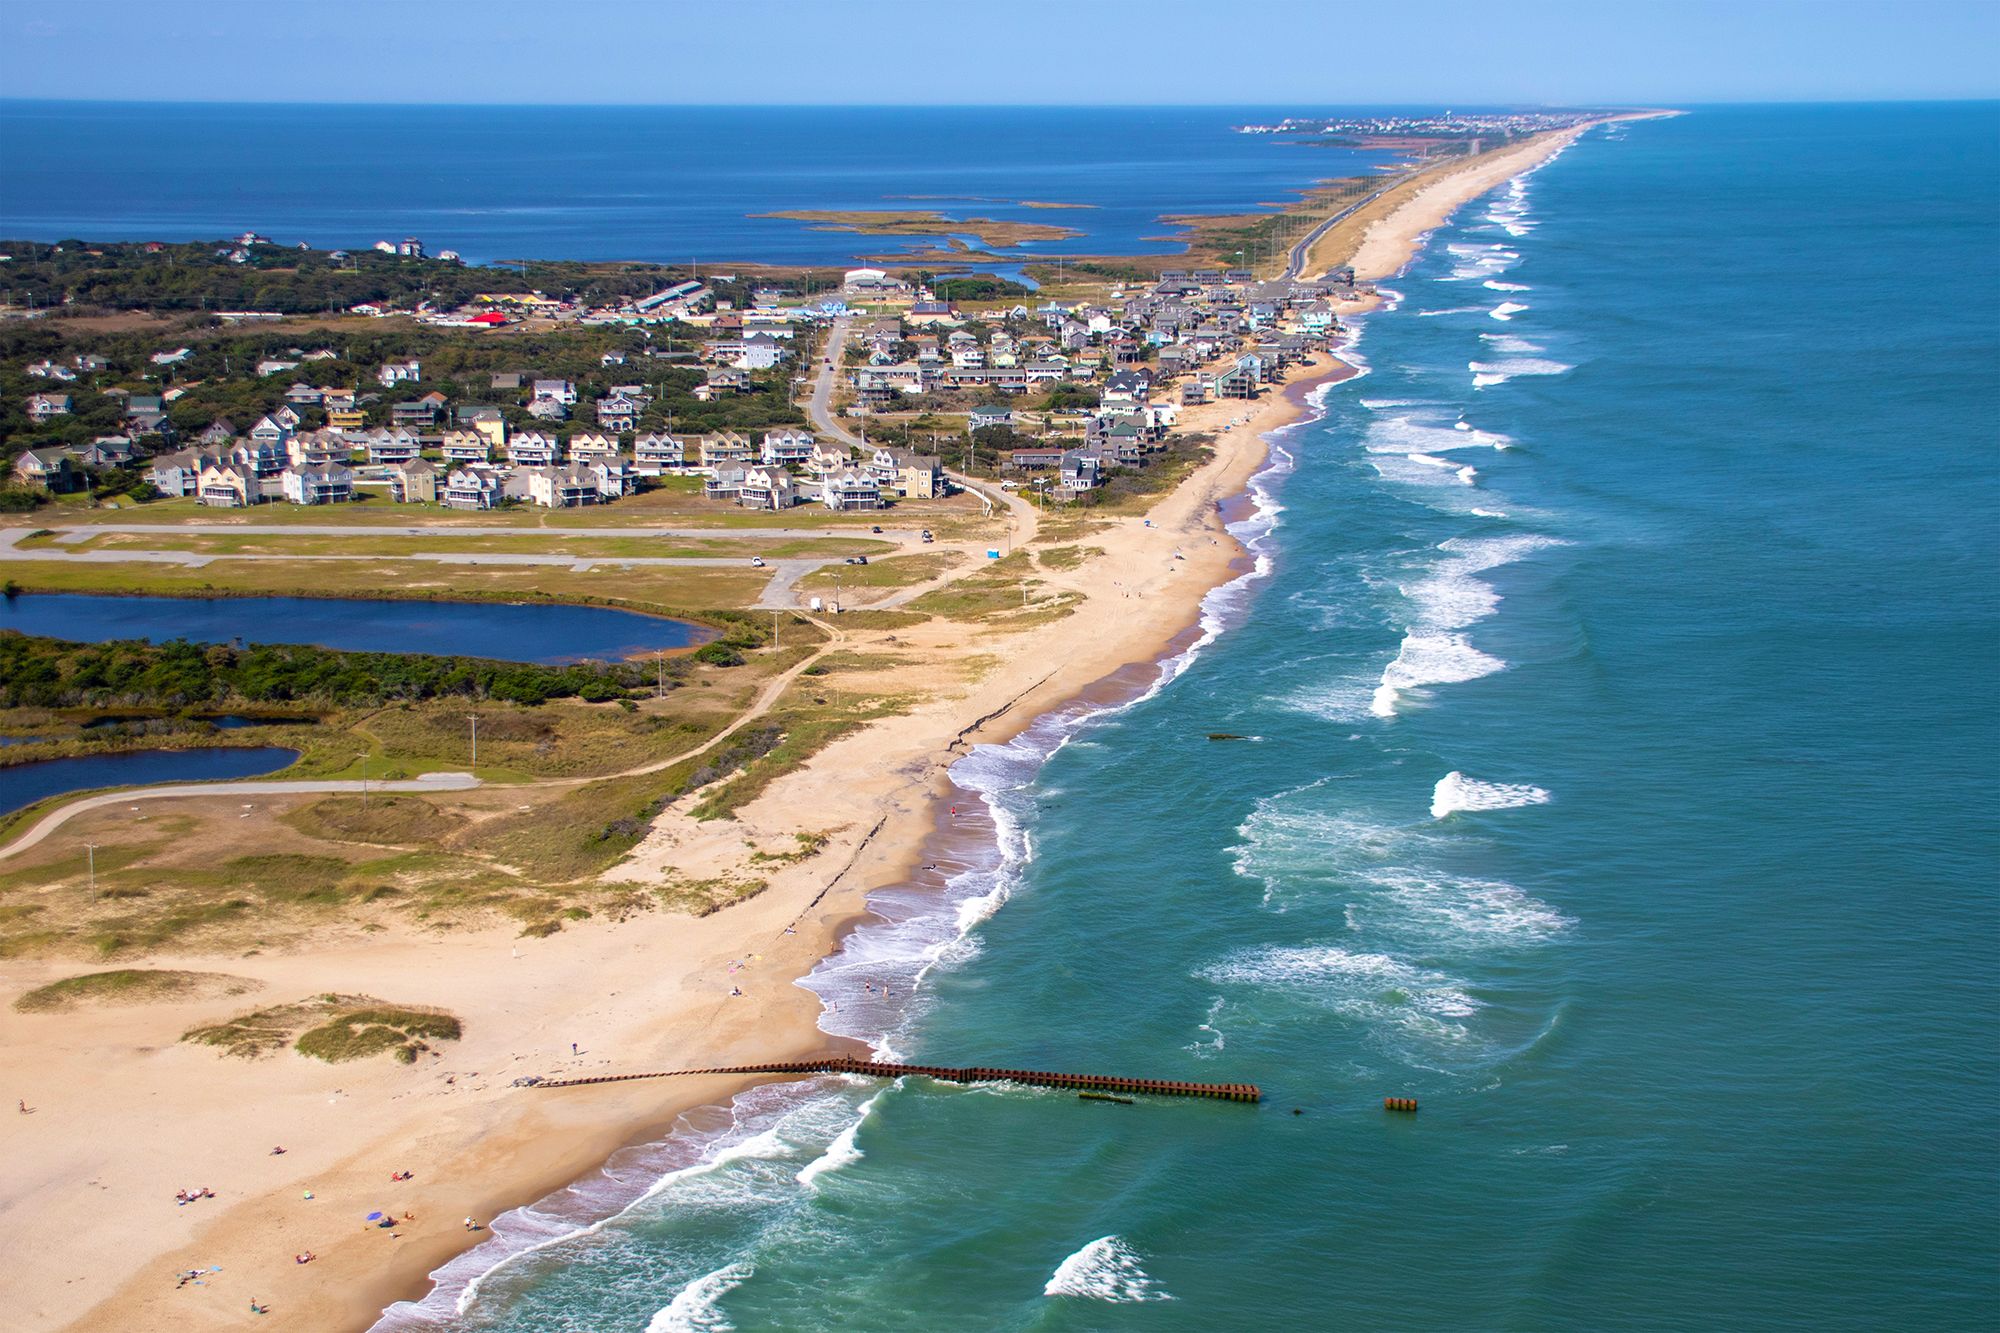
654	991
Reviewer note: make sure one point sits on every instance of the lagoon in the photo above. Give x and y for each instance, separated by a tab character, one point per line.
549	634
23	784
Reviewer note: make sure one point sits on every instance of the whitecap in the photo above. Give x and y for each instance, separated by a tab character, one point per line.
1105	1270
1494	284
1506	310
694	1308
1499	372
1469	476
1456	792
1426	660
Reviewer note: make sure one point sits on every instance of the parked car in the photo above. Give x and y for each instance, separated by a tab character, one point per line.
757	561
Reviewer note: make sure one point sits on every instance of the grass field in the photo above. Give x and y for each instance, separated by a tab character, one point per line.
667	590
450	542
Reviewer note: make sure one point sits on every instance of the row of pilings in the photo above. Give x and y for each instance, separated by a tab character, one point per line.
1228	1092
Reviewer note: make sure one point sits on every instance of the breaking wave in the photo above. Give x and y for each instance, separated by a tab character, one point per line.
1105	1270
1456	792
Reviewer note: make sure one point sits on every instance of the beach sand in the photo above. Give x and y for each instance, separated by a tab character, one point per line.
125	1114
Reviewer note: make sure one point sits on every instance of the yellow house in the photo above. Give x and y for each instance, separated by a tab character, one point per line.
493	428
348	418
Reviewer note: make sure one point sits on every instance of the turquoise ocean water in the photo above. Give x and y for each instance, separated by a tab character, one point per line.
1619	661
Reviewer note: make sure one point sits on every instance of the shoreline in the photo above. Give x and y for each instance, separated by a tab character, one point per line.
653	990
957	819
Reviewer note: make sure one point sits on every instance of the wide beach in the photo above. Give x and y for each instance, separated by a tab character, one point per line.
89	1186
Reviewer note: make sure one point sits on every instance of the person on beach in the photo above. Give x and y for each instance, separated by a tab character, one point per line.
277	1152
471	1225
305	1258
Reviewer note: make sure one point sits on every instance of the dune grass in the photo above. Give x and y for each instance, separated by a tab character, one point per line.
125	986
331	1027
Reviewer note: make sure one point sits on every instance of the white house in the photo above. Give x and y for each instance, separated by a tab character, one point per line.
328	483
853	488
562	487
395	372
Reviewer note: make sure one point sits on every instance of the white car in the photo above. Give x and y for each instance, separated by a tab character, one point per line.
757	561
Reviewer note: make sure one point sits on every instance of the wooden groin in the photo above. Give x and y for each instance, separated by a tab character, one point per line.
1228	1092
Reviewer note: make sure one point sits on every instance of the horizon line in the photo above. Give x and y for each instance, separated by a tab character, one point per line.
1020	106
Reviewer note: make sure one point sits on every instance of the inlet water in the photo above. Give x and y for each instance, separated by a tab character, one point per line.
545	633
23	784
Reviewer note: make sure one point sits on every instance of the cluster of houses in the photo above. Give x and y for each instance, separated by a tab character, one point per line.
481	468
1219	333
1192	337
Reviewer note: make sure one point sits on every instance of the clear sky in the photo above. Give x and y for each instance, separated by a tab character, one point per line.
1321	52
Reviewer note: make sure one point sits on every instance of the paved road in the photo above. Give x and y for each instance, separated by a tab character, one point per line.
1297	261
465	530
820	406
55	819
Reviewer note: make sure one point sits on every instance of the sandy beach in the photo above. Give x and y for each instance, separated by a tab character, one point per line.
122	1114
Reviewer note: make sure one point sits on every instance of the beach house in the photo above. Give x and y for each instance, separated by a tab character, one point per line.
329	483
415	482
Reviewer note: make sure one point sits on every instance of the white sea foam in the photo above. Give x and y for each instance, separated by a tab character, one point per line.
1386	994
1506	310
1485	373
1453	310
841	1152
1488	513
1494	284
1441	913
1468	475
1105	1270
694	1307
1214	1042
1456	792
1430	659
1509	343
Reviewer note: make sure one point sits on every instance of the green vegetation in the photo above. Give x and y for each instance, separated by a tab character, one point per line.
358	1034
129	986
331	1027
49	673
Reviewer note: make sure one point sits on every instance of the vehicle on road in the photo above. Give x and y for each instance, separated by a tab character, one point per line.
857	559
876	528
927	534
757	561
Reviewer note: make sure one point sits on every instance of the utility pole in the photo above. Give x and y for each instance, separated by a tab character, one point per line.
364	780
660	685
475	740
90	848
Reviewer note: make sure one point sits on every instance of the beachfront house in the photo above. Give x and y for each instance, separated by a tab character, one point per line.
399	372
465	446
658	452
767	487
415	482
47	406
590	446
562	487
49	467
792	447
469	488
531	448
228	485
329	483
852	488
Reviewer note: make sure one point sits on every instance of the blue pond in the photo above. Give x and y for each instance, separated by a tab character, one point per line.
24	784
541	633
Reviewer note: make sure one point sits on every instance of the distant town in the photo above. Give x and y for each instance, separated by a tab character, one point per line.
764	394
1472	129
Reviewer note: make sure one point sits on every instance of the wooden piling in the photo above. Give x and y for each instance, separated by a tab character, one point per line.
842	1064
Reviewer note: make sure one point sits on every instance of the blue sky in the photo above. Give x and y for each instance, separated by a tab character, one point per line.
1318	52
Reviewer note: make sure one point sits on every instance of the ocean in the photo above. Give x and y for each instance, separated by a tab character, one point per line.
1616	678
662	184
